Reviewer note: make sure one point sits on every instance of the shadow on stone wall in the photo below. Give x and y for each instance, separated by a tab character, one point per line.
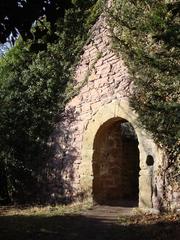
57	176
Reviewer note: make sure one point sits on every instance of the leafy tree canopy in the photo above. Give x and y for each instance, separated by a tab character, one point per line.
147	34
17	16
34	86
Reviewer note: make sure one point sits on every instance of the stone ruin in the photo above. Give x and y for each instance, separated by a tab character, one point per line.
99	149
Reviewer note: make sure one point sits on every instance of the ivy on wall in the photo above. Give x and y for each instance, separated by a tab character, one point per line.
146	34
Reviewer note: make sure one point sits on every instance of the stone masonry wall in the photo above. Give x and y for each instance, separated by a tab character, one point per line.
101	79
107	80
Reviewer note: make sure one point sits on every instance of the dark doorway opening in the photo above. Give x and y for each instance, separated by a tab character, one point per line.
116	164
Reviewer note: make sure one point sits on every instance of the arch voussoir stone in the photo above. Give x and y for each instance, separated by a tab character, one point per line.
121	110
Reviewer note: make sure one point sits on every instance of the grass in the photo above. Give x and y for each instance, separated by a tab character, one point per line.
45	211
67	223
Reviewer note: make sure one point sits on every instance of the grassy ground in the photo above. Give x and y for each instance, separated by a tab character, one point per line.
67	223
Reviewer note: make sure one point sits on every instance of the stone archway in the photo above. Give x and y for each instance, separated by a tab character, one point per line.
116	164
122	111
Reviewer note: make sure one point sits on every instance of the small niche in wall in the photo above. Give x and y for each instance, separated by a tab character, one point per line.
149	160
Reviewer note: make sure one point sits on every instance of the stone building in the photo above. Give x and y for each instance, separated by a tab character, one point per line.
100	151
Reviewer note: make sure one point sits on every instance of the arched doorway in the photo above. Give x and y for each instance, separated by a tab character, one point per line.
106	117
116	164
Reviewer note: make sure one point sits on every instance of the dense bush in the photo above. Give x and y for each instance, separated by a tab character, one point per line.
147	33
33	89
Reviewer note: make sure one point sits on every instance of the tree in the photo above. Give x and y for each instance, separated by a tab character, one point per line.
34	87
18	16
147	35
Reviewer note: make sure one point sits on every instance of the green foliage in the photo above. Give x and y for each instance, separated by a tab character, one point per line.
33	88
147	34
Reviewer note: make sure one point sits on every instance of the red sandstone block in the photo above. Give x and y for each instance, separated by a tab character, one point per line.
97	84
76	101
98	40
107	55
93	51
117	68
90	85
104	81
96	105
84	89
111	80
99	63
103	68
86	97
94	95
86	107
112	58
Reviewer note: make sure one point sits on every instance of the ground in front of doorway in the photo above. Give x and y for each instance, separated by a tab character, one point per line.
82	222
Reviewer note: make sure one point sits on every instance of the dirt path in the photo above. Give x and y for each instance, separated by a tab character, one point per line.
99	223
108	213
